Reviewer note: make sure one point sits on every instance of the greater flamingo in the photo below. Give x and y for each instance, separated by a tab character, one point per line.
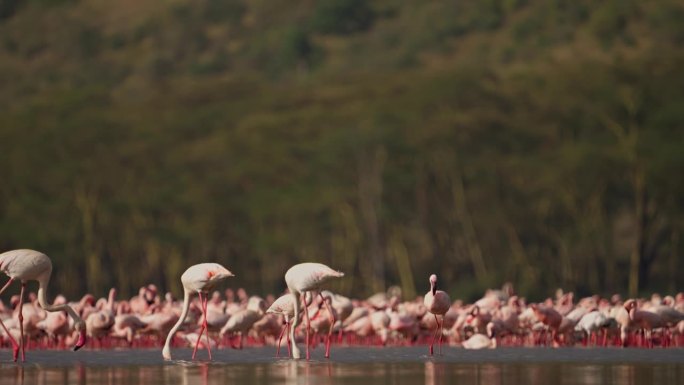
243	320
284	306
308	277
30	265
481	341
200	279
643	320
437	302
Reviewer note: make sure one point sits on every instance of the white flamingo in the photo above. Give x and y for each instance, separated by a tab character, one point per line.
200	279
30	265
309	277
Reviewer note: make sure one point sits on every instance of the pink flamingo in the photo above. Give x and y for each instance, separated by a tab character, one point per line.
480	341
437	302
643	320
284	306
200	279
243	320
551	318
308	277
56	324
30	265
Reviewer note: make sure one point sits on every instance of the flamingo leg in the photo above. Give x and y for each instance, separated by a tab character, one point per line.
288	326
200	333
21	322
308	326
332	323
15	346
204	323
441	333
434	335
280	338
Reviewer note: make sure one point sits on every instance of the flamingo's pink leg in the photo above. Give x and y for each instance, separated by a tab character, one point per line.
21	322
204	323
332	323
289	348
441	333
434	335
280	338
200	333
15	346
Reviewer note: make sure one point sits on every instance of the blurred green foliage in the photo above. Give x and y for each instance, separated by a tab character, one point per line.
527	141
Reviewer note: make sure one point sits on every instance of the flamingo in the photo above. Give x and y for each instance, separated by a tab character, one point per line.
643	320
242	321
200	279
480	341
284	306
308	277
56	325
30	265
437	302
342	306
548	316
591	323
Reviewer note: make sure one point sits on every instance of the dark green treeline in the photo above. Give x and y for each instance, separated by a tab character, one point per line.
537	142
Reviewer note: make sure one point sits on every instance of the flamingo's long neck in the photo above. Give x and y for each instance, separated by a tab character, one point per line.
295	323
110	301
78	322
42	300
166	352
632	313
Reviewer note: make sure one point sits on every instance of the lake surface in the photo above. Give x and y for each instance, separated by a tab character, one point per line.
351	365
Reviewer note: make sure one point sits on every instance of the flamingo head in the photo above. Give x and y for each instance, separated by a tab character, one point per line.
433	283
80	326
220	273
630	304
491	330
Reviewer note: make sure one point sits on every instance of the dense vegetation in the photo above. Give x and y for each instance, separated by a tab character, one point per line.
534	141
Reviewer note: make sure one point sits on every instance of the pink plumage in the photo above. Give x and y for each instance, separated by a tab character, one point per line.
437	302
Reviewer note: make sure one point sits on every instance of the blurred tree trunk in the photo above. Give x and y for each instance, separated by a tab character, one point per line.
463	215
636	257
521	261
397	249
370	170
346	244
674	248
86	202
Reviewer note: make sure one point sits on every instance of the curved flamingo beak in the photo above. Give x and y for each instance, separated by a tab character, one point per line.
81	340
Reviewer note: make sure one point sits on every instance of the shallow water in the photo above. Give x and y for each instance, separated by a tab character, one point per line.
408	365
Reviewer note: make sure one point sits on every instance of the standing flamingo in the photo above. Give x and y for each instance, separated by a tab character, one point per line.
30	265
437	302
200	279
284	306
309	277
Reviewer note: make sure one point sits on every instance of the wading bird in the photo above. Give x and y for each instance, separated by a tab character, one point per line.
30	265
309	277
200	279
437	302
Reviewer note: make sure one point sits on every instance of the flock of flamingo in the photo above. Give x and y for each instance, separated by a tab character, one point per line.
499	318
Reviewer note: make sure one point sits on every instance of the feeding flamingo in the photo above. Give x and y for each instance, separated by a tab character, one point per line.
200	279
284	306
308	277
437	302
30	265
